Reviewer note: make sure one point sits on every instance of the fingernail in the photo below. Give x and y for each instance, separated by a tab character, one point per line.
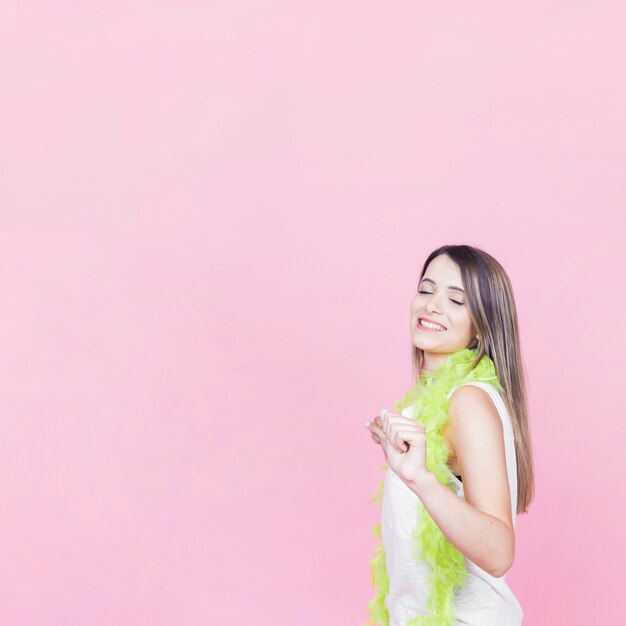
367	424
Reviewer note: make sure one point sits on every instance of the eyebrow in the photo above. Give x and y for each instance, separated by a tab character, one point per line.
430	280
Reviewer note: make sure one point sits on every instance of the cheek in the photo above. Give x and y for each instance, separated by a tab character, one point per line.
462	321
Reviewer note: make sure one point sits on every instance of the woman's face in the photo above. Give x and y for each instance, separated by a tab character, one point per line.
440	298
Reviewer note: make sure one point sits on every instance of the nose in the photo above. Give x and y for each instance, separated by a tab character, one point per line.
433	304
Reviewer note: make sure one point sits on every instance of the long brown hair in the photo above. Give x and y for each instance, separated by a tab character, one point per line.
492	310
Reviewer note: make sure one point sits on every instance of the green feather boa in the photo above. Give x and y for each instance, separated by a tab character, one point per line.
448	568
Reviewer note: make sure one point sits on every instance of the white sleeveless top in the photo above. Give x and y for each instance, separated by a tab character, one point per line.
485	600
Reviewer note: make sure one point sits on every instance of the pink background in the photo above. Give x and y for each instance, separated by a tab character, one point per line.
213	216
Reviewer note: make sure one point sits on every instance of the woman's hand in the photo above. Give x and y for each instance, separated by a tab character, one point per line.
403	441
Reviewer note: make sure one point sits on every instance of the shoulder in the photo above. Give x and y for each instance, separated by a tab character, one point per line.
475	425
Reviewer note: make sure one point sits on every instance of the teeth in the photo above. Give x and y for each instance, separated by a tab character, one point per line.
429	325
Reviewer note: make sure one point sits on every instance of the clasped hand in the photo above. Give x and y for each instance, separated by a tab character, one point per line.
403	441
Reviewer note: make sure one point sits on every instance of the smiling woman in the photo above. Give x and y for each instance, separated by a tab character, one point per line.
459	462
440	320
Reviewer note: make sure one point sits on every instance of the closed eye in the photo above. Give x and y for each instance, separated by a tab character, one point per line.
429	293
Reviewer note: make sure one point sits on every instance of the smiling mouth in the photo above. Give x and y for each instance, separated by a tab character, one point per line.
423	325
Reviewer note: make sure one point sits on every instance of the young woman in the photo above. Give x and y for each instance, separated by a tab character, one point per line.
459	460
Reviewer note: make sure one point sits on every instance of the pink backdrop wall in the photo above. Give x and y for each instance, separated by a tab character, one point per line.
212	220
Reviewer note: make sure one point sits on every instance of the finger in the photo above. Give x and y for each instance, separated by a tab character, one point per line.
385	416
376	430
391	434
389	421
381	417
402	434
400	421
412	438
399	441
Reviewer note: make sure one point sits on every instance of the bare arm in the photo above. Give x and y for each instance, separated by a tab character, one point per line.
480	526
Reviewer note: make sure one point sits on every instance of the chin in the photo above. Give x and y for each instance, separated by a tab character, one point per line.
424	345
433	346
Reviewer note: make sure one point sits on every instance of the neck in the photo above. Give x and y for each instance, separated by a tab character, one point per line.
434	360
437	367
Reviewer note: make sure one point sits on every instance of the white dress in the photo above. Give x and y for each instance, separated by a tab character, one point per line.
485	600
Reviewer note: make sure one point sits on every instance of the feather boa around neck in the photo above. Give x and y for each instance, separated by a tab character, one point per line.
429	399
